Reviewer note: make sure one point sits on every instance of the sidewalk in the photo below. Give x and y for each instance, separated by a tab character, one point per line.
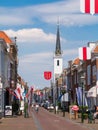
21	123
90	126
17	123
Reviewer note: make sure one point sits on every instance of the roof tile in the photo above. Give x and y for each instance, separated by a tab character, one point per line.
76	61
96	49
5	37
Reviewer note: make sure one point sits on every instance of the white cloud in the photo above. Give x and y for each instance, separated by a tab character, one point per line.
31	35
68	12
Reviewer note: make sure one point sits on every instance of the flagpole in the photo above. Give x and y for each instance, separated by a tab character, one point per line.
97	79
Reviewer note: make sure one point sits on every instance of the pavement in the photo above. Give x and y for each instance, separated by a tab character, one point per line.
20	123
90	126
17	123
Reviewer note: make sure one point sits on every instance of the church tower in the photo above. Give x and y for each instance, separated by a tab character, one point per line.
58	60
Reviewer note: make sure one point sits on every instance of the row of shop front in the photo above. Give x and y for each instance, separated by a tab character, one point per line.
10	80
79	81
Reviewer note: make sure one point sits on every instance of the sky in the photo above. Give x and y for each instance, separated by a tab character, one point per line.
34	23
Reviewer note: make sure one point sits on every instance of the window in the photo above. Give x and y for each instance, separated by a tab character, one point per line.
57	62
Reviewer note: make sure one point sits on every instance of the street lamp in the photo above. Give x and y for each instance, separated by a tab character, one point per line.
82	112
82	118
63	91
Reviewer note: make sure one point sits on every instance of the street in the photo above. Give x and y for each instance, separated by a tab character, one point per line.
46	120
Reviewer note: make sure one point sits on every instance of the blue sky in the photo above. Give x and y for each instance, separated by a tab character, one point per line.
24	2
34	22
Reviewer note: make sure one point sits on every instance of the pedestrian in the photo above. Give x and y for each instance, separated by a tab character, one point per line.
94	108
56	109
96	112
32	106
37	108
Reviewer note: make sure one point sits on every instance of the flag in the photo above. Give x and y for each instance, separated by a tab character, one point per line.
18	92
29	96
29	91
47	75
84	53
89	6
79	96
12	92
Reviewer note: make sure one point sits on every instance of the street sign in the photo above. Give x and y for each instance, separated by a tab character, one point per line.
8	110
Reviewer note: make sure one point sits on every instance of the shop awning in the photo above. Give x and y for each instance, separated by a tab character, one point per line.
92	92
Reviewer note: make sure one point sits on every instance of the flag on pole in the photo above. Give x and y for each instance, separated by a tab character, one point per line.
29	91
11	92
89	6
18	92
84	53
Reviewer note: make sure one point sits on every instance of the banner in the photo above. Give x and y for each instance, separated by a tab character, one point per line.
81	93
89	6
84	53
79	96
47	75
18	92
12	92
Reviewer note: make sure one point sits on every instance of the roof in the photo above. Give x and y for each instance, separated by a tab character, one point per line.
58	46
76	61
5	37
95	49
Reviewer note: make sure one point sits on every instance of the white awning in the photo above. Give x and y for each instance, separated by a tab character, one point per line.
92	92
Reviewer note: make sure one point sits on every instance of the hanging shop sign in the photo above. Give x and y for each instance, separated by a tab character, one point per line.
47	75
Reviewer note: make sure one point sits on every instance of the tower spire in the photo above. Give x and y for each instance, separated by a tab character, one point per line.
58	46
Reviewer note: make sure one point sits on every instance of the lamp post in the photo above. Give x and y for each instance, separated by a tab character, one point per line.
82	112
82	118
63	91
1	100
